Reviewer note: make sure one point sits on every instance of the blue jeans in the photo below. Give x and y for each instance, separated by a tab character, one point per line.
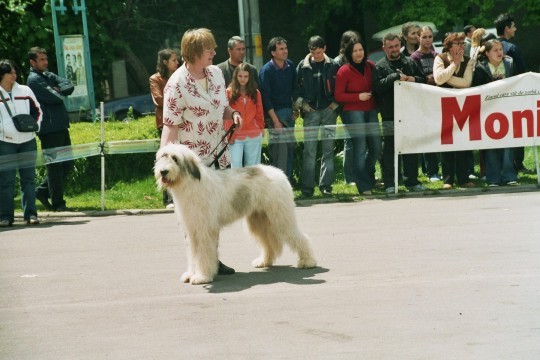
314	119
500	166
27	175
246	152
366	146
282	145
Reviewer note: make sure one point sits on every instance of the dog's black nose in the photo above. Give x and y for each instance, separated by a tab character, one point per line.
164	172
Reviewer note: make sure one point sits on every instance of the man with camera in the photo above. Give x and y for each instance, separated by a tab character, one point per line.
50	90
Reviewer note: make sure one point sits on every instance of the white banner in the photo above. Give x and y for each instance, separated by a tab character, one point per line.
501	114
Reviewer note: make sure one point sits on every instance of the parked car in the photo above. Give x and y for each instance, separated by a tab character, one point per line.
397	30
131	107
438	45
376	55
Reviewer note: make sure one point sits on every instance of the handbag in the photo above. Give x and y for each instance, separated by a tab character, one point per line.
22	122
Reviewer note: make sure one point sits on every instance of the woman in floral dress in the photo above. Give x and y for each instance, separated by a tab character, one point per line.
195	102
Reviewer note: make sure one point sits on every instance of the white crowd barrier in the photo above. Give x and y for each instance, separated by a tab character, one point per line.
501	114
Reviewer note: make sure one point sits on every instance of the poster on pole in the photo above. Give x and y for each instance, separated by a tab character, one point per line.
75	70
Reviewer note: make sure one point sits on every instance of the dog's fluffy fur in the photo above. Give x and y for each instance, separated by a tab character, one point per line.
207	200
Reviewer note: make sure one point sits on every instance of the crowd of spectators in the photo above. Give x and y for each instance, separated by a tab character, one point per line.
321	89
359	92
318	88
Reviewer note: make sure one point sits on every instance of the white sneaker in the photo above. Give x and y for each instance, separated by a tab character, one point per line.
435	178
170	206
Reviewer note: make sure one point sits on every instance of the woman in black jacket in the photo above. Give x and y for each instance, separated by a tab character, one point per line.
493	66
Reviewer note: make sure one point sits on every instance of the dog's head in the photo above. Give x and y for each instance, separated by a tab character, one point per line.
176	163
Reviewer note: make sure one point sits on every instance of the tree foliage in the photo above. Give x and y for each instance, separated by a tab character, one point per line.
32	20
134	30
446	15
457	13
116	29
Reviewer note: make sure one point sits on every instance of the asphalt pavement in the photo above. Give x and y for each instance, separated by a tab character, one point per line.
439	277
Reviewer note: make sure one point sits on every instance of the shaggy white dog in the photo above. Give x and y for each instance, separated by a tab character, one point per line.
209	199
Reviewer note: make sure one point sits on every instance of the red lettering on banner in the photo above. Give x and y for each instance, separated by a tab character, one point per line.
503	126
496	125
451	110
526	115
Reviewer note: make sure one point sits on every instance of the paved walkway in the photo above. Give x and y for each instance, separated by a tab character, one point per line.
436	277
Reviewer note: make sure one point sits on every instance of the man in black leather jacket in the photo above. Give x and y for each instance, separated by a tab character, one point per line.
50	90
395	67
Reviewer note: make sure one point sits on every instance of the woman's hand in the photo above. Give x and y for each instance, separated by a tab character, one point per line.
365	96
457	55
237	119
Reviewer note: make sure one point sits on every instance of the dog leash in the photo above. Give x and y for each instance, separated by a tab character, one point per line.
229	133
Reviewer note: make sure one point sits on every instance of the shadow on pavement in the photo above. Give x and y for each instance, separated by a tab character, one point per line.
43	224
273	275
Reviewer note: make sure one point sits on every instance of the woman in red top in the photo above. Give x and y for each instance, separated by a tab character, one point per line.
245	144
354	91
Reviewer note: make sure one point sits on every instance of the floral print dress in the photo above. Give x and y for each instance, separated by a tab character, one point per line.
198	112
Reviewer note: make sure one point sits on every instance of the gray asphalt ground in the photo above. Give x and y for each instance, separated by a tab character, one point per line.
441	277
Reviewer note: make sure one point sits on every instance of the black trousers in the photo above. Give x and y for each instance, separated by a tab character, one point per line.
455	166
519	156
430	163
57	173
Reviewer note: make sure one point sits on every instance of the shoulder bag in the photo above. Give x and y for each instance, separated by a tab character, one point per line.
22	122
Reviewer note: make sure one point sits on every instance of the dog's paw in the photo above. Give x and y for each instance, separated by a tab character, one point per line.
186	276
261	263
198	279
307	263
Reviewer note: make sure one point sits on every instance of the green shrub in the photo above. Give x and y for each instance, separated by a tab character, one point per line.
86	174
130	183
